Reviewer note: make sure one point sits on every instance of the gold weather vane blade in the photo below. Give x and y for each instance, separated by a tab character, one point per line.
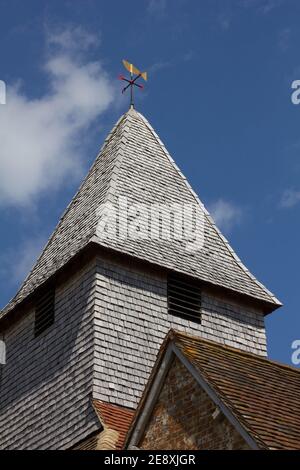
132	82
134	70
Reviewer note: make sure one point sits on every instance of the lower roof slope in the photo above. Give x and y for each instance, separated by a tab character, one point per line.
263	395
134	163
112	417
115	417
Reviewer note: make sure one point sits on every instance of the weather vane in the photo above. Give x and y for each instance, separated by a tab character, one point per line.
133	80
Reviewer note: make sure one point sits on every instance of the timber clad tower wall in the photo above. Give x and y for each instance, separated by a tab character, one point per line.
46	382
132	319
111	300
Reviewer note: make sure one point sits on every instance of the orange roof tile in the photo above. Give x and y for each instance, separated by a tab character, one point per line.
263	395
115	417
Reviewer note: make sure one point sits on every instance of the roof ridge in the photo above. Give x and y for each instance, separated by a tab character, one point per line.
169	341
210	380
230	405
177	334
119	157
235	391
206	212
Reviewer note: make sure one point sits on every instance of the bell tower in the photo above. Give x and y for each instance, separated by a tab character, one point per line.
83	331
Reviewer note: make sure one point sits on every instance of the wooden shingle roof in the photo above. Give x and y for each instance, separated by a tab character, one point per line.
134	163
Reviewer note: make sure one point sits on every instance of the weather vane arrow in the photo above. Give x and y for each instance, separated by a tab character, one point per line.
132	82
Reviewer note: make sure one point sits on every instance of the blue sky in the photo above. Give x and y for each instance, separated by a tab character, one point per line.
219	95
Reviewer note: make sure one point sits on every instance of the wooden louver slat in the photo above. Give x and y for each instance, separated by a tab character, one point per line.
44	312
184	297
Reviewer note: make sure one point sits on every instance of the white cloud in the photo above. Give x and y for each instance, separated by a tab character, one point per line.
157	66
157	7
224	20
16	264
189	55
225	214
70	38
269	5
164	64
41	138
289	198
284	39
27	255
262	6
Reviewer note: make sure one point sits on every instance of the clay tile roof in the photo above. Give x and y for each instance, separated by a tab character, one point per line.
115	417
134	163
262	394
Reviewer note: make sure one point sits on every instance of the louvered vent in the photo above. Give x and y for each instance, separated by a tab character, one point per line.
44	312
184	297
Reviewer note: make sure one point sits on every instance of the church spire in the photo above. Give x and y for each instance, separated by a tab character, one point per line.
135	165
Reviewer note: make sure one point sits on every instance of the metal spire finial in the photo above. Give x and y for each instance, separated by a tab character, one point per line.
133	80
